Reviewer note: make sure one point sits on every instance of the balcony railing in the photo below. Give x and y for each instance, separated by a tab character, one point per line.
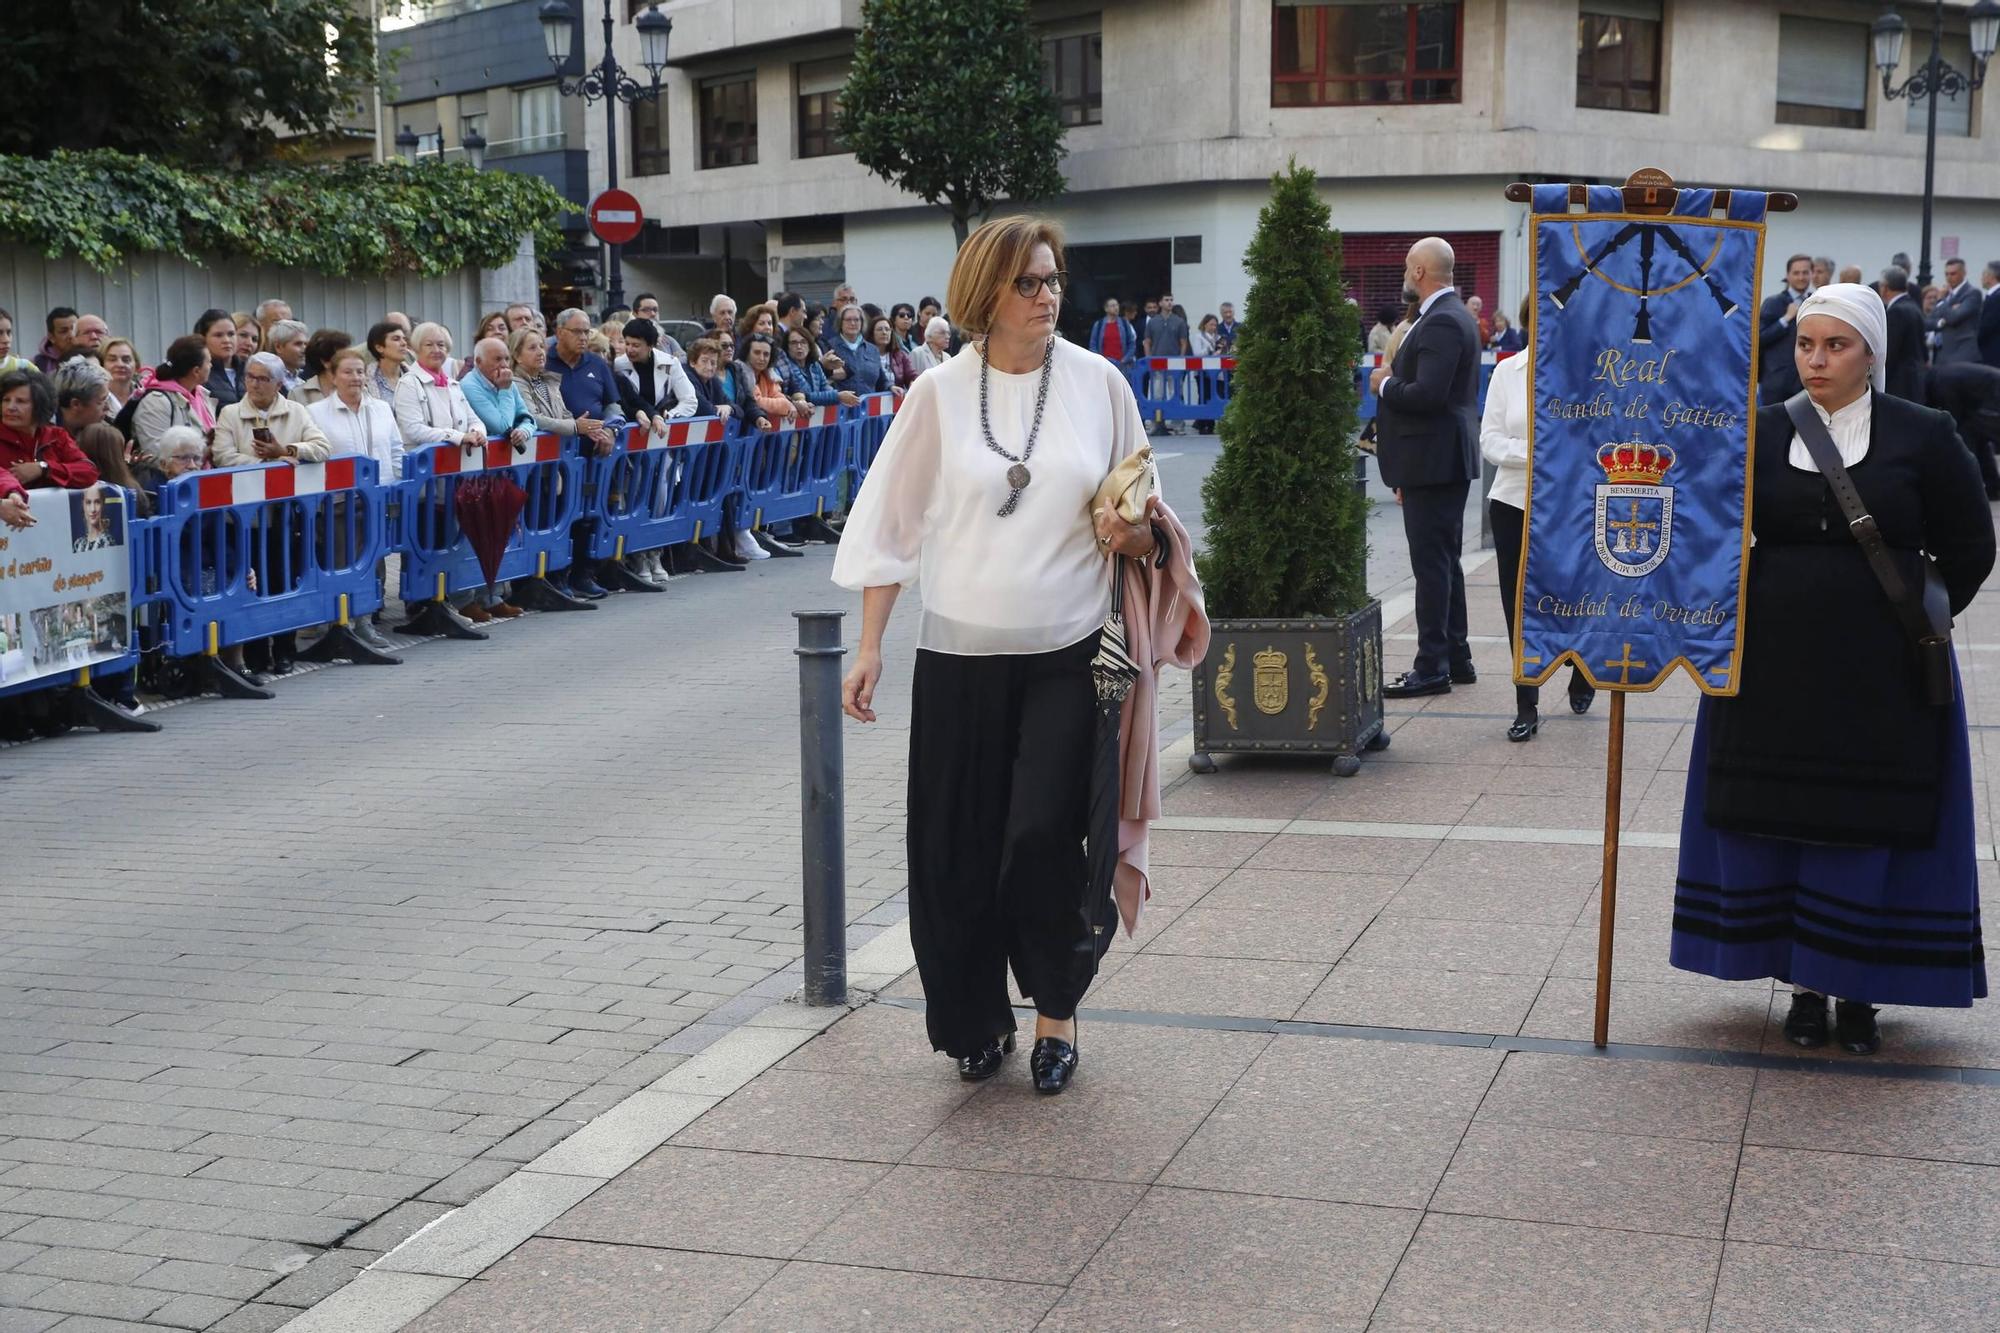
534	143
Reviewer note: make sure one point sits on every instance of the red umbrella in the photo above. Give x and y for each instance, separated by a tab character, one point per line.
488	507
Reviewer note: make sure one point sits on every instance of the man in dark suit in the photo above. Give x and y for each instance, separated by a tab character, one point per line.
1956	319
1427	442
1778	376
1904	355
1989	314
1970	392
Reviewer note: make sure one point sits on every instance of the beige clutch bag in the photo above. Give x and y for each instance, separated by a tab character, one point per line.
1131	484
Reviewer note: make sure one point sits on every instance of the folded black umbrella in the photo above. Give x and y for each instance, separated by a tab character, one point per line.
1112	672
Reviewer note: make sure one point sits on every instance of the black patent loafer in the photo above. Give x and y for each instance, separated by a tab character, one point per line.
1053	1063
1854	1028
984	1063
1805	1025
1580	698
1464	675
1410	685
1524	727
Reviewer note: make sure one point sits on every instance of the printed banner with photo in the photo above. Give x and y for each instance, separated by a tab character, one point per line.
65	585
1644	384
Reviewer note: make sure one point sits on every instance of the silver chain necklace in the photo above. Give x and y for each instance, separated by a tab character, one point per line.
1018	475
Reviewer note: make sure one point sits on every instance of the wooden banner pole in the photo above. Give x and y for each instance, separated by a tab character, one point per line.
1607	910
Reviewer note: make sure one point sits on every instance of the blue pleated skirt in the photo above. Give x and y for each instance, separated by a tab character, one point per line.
1870	924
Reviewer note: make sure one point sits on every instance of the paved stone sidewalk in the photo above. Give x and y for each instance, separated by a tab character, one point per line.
1342	1079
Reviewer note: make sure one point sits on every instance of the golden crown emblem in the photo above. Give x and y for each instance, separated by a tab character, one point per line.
1269	659
1632	463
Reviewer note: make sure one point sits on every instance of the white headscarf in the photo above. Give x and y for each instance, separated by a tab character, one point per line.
1861	309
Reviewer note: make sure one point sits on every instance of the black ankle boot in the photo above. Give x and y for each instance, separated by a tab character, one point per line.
1854	1028
984	1063
1805	1025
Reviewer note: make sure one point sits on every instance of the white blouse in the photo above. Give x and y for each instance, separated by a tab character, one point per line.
1849	428
371	432
928	515
1503	431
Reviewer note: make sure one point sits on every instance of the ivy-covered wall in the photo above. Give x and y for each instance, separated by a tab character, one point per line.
353	220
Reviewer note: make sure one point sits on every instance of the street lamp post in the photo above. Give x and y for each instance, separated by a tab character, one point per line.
1935	79
613	85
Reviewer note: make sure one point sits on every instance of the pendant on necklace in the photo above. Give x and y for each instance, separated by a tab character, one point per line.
1017	476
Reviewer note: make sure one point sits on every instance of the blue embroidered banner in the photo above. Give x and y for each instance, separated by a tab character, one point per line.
1644	388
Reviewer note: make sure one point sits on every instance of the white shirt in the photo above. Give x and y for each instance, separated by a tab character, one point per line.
1503	431
1032	582
1849	428
370	433
1430	301
428	413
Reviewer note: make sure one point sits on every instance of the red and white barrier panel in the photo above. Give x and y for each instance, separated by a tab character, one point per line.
1190	363
811	417
678	434
254	485
879	405
451	458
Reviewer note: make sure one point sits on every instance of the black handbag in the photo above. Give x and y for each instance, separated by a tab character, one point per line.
1925	613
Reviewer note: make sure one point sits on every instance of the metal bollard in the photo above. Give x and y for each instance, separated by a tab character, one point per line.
822	806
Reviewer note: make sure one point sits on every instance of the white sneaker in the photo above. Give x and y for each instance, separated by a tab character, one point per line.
656	569
747	547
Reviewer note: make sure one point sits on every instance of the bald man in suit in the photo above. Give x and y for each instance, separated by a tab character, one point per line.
1427	444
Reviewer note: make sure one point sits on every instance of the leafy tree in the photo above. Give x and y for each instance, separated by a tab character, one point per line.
947	102
188	80
1287	526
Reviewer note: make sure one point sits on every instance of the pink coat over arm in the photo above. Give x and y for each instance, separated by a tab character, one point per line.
1166	624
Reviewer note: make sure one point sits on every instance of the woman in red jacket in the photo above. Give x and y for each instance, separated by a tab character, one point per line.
34	453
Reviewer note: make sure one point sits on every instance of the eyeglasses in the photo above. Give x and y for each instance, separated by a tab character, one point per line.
1029	285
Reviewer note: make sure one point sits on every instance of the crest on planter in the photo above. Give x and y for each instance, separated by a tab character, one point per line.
1269	689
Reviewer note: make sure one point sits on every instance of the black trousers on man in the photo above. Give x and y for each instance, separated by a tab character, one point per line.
1434	524
999	803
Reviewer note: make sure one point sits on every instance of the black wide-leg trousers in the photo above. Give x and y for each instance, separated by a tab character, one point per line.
999	801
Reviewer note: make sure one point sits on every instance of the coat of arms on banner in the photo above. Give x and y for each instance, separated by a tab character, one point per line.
1635	513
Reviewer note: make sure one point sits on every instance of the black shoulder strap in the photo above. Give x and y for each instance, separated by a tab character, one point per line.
1826	456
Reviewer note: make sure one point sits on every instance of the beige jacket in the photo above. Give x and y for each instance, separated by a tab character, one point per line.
289	422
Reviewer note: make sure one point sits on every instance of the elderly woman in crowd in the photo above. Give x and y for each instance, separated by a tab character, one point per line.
1827	837
860	367
430	406
882	333
225	372
760	318
179	451
82	389
654	386
176	397
805	380
356	422
936	348
264	426
315	378
34	452
121	363
389	350
542	389
286	340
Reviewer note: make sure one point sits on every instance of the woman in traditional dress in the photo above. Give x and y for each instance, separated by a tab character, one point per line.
1827	836
984	486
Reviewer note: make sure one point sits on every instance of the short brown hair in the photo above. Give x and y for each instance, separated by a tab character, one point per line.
701	347
992	257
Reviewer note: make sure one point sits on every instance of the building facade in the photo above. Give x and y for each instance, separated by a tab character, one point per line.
1415	116
478	67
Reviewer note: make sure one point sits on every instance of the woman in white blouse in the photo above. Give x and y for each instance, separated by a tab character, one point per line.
1503	439
430	407
356	422
983	487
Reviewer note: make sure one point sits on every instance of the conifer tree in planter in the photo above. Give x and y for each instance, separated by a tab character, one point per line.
1295	661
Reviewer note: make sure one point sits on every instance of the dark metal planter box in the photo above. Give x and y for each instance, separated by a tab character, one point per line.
1291	687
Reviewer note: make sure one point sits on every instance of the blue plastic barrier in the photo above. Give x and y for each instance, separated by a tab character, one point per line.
866	431
789	472
1181	388
438	560
256	551
644	494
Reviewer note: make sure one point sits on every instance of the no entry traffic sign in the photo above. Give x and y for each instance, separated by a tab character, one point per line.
615	217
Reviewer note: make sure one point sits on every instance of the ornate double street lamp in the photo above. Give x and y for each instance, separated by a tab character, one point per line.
1934	79
614	85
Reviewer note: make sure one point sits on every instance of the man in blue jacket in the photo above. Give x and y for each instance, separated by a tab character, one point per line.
1113	337
590	389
